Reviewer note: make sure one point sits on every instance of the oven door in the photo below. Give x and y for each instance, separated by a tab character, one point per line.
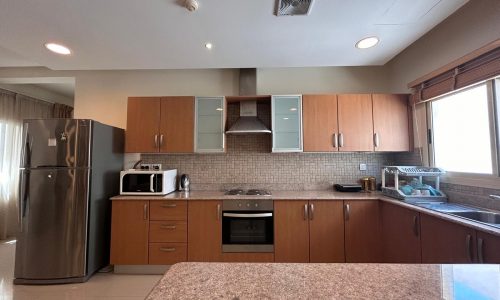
247	231
134	183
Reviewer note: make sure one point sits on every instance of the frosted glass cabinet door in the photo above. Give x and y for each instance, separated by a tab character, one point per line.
209	125
287	123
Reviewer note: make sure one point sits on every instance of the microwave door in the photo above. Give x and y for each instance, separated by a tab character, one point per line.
138	183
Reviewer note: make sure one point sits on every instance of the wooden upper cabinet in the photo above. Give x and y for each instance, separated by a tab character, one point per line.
326	231
355	122
446	242
204	231
320	123
129	232
362	231
291	231
143	119
488	248
177	125
390	122
400	234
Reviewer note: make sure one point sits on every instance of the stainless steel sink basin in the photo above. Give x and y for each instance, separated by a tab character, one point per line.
464	211
481	216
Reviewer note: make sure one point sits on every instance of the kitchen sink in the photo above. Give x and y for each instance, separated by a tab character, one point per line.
480	216
464	211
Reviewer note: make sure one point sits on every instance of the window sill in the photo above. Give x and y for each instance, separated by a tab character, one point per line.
476	180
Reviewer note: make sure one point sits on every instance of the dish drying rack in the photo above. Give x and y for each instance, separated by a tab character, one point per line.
412	171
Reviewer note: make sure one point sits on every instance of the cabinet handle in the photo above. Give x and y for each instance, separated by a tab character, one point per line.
311	211
415	225
480	242
335	141
306	212
161	140
145	211
156	141
218	212
341	140
168	205
468	249
171	249
376	139
347	211
168	226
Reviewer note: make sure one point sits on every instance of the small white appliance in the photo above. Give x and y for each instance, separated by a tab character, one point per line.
147	182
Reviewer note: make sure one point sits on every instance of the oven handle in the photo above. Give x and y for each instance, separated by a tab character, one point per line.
261	215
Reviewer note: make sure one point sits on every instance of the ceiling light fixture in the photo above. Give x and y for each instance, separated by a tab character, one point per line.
58	48
367	42
208	46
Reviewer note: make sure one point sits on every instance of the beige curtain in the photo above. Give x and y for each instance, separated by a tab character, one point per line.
62	111
13	109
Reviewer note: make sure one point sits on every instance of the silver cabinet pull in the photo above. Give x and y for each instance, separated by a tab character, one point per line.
468	249
165	249
376	139
415	226
306	212
156	141
145	212
341	140
161	140
171	227
347	211
480	257
170	205
311	211
335	141
218	212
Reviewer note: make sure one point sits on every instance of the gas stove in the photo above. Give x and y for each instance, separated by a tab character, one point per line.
252	192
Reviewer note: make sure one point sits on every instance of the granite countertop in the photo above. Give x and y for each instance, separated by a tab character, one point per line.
327	281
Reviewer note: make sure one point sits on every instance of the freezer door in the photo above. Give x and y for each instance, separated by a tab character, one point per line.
52	240
55	143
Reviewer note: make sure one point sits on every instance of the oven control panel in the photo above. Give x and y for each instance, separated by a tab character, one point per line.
249	204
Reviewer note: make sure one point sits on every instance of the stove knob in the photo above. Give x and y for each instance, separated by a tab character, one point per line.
248	204
256	205
239	204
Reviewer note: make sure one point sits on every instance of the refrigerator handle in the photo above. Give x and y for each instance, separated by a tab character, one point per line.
151	183
23	196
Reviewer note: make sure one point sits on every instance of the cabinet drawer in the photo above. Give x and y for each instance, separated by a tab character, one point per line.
167	253
168	210
168	231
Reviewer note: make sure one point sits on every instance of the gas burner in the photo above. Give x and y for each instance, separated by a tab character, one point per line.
253	192
235	192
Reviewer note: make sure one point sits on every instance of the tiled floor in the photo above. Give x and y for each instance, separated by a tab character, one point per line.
100	286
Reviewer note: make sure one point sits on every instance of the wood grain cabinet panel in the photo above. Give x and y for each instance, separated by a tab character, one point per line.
390	122
362	231
168	231
400	234
170	210
320	123
355	122
204	231
291	231
143	119
129	232
488	248
177	124
326	231
167	253
446	242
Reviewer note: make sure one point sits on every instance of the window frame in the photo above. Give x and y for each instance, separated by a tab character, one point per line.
465	178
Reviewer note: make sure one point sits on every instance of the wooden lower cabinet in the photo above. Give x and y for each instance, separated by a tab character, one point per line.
169	210
129	232
362	231
446	242
291	231
326	231
248	257
167	253
400	234
204	230
488	248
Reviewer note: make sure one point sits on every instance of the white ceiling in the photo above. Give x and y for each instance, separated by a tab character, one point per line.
160	34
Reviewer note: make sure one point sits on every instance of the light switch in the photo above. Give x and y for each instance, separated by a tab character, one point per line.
362	167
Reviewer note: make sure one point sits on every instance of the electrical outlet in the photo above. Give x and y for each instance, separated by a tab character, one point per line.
145	166
362	167
155	167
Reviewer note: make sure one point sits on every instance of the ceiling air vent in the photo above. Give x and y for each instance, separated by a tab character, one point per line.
293	7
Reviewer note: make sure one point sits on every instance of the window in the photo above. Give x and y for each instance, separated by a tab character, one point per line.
463	131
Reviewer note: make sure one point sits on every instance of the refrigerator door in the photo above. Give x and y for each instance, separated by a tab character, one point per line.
56	143
53	234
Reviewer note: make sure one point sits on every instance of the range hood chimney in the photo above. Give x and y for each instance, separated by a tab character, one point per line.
248	122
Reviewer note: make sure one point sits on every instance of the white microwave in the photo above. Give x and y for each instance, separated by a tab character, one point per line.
147	182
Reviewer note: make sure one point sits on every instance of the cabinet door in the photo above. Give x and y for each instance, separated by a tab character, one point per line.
355	122
210	119
286	114
320	123
204	231
143	119
362	231
488	248
129	232
390	122
446	242
291	231
177	125
326	231
400	234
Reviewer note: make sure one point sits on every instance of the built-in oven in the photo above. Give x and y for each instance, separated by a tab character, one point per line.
247	226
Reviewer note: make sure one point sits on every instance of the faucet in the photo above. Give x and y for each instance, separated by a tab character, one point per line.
495	197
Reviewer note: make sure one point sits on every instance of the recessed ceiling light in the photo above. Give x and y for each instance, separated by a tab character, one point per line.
367	42
57	48
208	45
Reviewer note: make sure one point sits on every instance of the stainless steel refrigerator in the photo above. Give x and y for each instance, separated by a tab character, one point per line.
69	170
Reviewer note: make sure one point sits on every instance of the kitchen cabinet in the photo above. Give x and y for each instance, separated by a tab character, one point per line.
390	122
355	122
129	232
286	112
446	242
488	248
400	234
160	125
320	123
308	231
210	124
362	231
204	231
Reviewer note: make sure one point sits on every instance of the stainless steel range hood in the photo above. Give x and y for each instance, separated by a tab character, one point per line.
248	122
